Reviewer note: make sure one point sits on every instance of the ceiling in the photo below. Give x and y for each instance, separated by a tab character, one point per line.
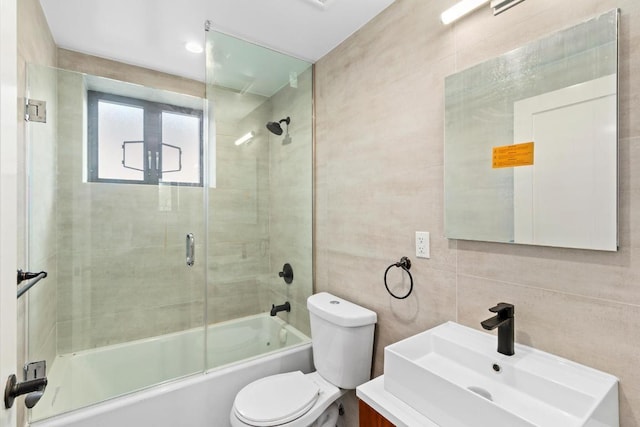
153	33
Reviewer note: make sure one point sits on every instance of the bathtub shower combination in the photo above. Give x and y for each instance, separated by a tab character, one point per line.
243	350
164	220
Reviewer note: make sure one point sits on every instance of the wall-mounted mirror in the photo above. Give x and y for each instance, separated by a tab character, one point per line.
531	142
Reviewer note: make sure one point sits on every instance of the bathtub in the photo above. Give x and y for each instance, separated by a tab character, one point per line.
239	351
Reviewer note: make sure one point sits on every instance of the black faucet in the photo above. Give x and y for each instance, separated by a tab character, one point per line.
504	321
284	307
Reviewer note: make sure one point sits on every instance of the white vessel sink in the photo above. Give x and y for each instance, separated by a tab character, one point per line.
453	375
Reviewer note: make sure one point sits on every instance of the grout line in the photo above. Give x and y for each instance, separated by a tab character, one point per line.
572	294
457	288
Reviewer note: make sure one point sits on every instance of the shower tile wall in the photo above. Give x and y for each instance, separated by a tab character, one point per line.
125	276
291	201
93	65
379	178
100	302
259	211
238	208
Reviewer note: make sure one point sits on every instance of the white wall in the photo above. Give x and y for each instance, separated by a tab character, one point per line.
8	178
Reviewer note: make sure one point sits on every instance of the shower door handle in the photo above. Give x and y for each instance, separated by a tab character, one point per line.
191	249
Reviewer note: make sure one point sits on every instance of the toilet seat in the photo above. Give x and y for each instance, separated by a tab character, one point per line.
276	400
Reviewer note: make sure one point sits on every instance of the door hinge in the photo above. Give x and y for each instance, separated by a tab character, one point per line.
35	111
35	370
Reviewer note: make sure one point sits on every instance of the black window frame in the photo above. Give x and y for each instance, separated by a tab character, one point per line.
152	137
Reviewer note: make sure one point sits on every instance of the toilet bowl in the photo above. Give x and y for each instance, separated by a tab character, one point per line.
293	399
342	342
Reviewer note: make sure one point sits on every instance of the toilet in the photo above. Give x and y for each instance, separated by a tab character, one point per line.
342	341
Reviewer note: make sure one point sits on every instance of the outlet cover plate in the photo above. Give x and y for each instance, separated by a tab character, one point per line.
422	244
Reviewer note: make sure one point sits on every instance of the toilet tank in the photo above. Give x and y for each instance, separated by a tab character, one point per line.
342	337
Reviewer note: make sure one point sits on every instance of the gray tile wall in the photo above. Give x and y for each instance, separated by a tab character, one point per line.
108	295
124	275
238	208
379	178
260	212
290	197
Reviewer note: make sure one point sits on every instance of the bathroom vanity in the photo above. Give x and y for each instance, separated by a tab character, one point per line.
379	408
370	417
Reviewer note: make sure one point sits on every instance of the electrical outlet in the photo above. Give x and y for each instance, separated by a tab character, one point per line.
422	244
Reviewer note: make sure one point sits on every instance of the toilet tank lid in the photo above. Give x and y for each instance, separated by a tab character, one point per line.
339	311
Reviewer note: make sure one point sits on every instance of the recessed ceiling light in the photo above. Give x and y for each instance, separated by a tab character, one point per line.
194	47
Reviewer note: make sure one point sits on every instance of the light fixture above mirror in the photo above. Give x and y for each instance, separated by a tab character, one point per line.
465	7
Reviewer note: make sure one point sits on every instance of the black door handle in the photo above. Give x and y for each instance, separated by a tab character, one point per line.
14	389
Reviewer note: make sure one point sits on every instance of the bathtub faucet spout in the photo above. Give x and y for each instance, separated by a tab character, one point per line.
277	308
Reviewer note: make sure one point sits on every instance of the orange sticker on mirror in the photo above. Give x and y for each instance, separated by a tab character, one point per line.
509	156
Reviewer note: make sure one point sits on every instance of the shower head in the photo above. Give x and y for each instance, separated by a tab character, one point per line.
275	128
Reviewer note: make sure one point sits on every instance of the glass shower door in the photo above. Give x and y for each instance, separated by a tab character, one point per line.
115	187
260	203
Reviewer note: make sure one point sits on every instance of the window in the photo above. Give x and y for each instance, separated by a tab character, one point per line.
143	142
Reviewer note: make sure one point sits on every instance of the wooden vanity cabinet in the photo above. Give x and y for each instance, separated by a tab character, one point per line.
370	418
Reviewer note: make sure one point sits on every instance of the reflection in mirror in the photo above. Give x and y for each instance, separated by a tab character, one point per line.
531	142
